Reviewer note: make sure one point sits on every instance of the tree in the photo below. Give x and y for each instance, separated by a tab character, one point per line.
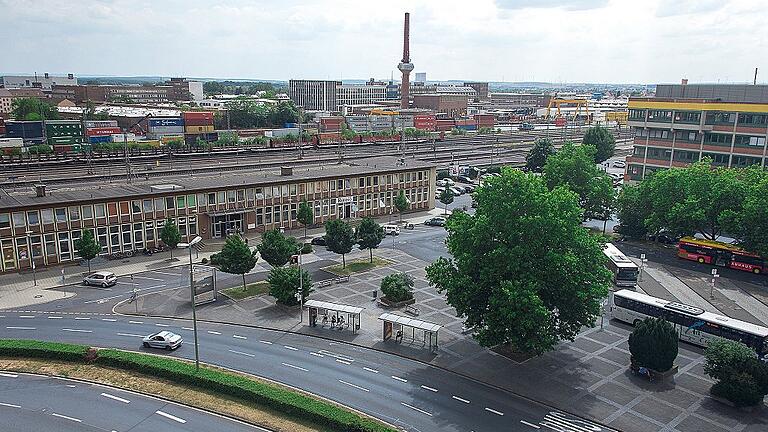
574	167
600	200
741	377
339	238
369	235
603	141
446	197
304	215
518	264
397	287
236	257
89	113
537	156
401	204
87	247
653	344
631	211
750	226
170	235
276	248
33	109
284	284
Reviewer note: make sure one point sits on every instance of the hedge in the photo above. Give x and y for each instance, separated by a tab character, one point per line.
291	403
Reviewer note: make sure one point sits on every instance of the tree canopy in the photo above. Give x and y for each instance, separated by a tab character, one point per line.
741	377
603	142
87	247
276	248
632	210
170	235
236	257
537	156
285	282
398	287
518	264
339	238
369	235
33	109
653	344
401	203
446	197
248	113
304	215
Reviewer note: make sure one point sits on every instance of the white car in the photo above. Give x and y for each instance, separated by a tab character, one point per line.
163	340
457	191
441	183
391	229
100	278
619	164
449	182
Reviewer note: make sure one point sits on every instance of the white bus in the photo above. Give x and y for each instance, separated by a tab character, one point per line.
623	269
692	324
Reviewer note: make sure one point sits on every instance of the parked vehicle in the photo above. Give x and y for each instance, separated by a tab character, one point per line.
619	164
526	127
435	221
469	189
449	182
663	236
457	191
464	179
441	183
318	241
100	278
163	340
391	229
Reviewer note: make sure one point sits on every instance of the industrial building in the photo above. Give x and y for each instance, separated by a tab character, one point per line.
6	103
687	122
42	225
349	95
445	105
174	90
46	81
313	95
480	88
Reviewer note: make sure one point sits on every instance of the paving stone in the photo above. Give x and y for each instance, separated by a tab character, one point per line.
598	366
677	397
587	345
656	410
616	393
719	413
616	355
605	337
628	422
693	383
695	424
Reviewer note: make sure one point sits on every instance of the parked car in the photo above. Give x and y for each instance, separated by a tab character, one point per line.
100	278
163	340
449	182
391	229
435	221
457	191
464	179
663	236
619	164
441	183
469	189
318	241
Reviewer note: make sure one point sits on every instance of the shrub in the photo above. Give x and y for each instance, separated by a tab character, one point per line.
215	259
204	260
397	287
306	248
741	377
653	344
45	350
284	283
443	174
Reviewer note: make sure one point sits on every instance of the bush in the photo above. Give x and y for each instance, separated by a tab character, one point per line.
45	350
397	287
443	174
204	260
284	283
741	377
215	259
653	344
306	248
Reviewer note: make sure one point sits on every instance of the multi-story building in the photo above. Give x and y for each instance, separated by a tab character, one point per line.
44	82
685	123
314	95
42	226
445	105
480	87
175	90
6	99
348	95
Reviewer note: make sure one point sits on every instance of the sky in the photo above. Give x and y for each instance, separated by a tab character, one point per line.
560	41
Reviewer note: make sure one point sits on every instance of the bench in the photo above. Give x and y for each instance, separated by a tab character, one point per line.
413	310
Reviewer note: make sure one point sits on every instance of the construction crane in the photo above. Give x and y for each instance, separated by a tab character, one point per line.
556	102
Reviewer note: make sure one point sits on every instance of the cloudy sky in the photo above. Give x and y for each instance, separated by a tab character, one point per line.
618	41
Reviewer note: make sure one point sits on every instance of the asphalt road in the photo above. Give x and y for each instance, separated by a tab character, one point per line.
32	403
406	393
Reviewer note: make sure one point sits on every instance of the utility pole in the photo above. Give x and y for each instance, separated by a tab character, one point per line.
127	160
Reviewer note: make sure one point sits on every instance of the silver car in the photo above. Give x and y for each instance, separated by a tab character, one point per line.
100	278
164	340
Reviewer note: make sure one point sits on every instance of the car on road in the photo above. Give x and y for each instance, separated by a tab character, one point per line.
163	340
318	241
526	127
391	229
100	278
619	164
435	221
663	236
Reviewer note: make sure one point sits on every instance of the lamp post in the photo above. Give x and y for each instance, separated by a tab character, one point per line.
31	258
190	245
642	265
712	285
300	294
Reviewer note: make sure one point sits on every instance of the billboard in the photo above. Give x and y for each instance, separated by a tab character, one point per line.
204	284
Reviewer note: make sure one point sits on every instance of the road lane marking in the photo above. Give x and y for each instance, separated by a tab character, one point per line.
26	316
109	319
354	386
429	388
2	316
460	399
20	328
416	409
187	328
290	348
55	317
295	367
9	405
494	411
317	354
77	330
169	416
135	322
127	283
338	356
82	318
166	273
343	362
399	379
105	299
370	370
530	424
8	375
266	342
149	278
242	353
213	332
130	335
239	337
117	398
162	325
67	417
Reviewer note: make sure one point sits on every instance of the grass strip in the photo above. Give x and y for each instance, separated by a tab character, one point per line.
251	290
357	266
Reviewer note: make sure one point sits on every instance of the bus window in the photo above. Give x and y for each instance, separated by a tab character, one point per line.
627	275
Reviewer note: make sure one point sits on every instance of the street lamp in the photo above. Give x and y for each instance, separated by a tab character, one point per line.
300	294
31	258
190	245
643	260
712	285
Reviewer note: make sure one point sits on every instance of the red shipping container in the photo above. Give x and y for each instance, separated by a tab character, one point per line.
197	118
102	131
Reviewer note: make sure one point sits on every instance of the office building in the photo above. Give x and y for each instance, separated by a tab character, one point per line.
314	95
45	81
481	89
348	95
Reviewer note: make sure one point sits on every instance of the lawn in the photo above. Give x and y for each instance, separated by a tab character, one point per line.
254	289
357	266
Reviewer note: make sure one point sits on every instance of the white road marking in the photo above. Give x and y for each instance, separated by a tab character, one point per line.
494	411
317	354
399	379
135	322
530	424
370	370
149	278
166	273
71	385
290	348
266	342
26	316
76	330
429	388
354	386
162	325
8	375
67	417
338	356
239	337
55	317
82	318
242	353
104	299
2	316
214	332
127	283
172	417
343	362
295	367
130	335
9	405
415	409
20	328
117	398
460	399
109	319
187	328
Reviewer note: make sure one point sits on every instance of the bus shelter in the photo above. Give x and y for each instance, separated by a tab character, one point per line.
399	323
332	312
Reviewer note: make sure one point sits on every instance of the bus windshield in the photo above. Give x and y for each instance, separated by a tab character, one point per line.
627	274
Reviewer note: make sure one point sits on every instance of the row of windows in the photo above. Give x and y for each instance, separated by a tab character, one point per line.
744	119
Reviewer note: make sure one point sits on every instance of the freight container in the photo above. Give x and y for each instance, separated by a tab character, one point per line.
152	143
166	130
29	131
424	122
470	127
64	140
198	129
130	137
291	125
485	120
101	131
11	142
197	118
98	139
161	122
279	133
63	128
99	123
166	139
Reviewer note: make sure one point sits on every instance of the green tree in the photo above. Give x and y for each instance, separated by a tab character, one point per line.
741	377
653	344
369	235
89	113
632	210
397	287
236	257
276	248
339	238
446	197
87	247
170	235
574	167
537	156
284	284
750	224
602	140
600	200
33	109
304	215
519	262
401	204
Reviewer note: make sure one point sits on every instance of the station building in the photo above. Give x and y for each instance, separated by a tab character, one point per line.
42	225
688	122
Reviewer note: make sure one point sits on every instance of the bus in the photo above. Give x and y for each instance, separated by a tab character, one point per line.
623	269
693	324
720	254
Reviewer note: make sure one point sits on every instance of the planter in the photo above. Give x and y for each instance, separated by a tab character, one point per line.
390	304
654	374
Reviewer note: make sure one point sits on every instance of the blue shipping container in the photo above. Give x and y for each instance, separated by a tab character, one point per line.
166	121
291	125
467	127
96	139
28	130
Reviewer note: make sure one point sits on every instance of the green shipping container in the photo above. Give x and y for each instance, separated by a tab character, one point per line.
60	128
64	140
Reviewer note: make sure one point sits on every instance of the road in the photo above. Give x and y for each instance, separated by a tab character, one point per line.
406	393
37	403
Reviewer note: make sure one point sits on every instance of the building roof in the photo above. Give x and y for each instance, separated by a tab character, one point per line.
82	192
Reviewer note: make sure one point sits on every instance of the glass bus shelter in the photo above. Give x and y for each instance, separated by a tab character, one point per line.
398	323
324	310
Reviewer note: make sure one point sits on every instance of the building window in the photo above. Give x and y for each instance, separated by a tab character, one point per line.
221	198
181	202
159	204
745	161
65	252
124	210
136	207
46	215
212	199
753	119
86	211
50	244
74	213
19	221
114	237
169	203
717	158
150	231
192	221
749	141
147	206
717	139
5	221
191	203
61	215
101	237
33	217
